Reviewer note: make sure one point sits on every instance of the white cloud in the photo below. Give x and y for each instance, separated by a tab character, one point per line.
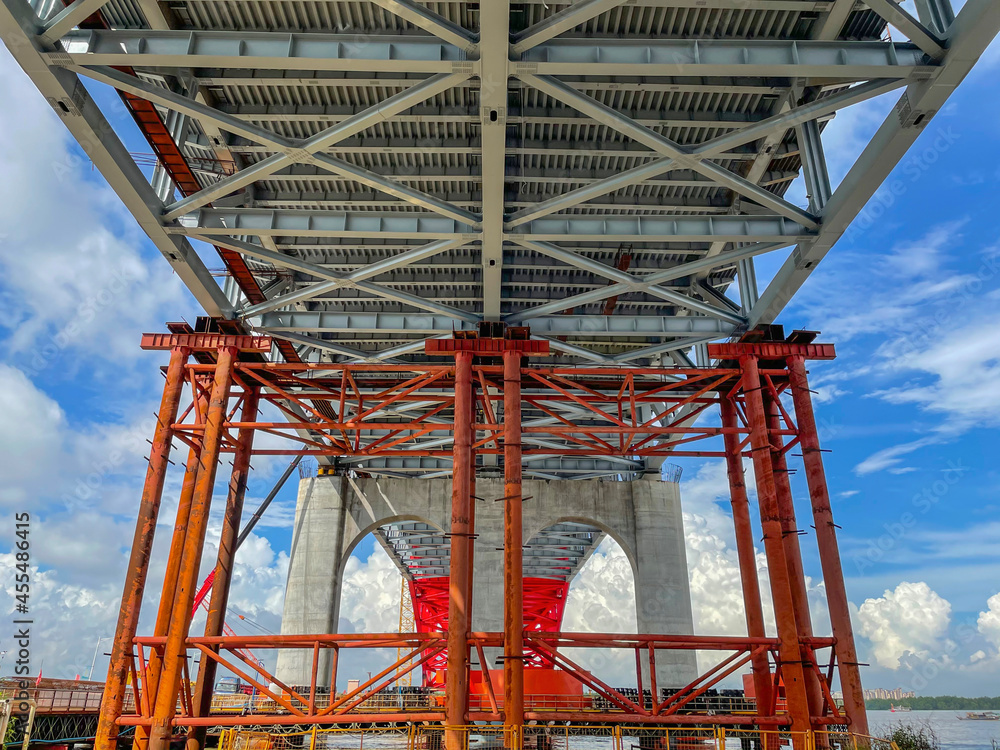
74	263
30	437
908	622
959	375
989	621
370	601
889	458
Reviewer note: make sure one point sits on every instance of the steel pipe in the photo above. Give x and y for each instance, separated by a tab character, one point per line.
142	544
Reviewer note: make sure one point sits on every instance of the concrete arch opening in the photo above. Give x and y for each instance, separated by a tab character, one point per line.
334	513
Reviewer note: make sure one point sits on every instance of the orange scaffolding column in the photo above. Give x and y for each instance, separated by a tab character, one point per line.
138	564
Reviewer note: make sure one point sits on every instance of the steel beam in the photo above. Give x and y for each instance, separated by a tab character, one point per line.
69	17
917	33
368	287
249	50
437	25
85	121
828	61
262	50
662	145
677	272
333	348
717	148
213	117
669	346
391	324
566	19
975	27
369	271
494	30
304	150
936	14
209	222
757	228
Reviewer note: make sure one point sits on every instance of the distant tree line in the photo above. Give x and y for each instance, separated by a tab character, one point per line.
937	703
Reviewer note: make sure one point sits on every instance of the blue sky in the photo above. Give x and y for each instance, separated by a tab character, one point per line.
910	408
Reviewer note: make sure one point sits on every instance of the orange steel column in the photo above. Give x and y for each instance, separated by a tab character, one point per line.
793	555
829	553
165	706
790	656
222	582
141	737
513	541
141	741
142	543
746	554
457	680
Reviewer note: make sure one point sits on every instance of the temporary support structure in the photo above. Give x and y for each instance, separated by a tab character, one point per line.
761	389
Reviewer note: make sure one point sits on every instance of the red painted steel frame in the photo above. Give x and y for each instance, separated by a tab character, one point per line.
347	413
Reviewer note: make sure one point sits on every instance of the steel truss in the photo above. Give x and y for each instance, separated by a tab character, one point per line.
437	161
761	389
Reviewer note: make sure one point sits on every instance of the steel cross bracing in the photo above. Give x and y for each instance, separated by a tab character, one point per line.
375	174
759	384
557	552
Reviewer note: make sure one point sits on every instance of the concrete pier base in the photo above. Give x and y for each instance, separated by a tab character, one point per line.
334	514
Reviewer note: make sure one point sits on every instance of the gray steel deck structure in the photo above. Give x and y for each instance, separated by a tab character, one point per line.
393	170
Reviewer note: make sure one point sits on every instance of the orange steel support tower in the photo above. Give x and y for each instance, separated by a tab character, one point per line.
761	390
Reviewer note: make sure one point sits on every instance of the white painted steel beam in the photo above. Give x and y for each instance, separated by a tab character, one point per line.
659	277
376	290
566	19
835	61
669	346
597	326
235	50
203	113
400	260
262	50
757	228
495	33
67	18
917	33
211	222
968	37
329	346
437	25
662	145
305	149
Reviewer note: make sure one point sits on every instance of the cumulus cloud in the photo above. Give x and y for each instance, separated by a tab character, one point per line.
989	621
906	623
370	601
74	262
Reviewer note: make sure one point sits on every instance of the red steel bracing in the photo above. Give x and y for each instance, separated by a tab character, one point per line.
544	603
353	410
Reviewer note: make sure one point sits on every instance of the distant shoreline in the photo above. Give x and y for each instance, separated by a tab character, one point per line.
937	703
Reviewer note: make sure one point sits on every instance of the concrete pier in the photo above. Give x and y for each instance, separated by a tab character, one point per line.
334	514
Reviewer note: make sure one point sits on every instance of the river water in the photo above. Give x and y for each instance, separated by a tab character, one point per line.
953	733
